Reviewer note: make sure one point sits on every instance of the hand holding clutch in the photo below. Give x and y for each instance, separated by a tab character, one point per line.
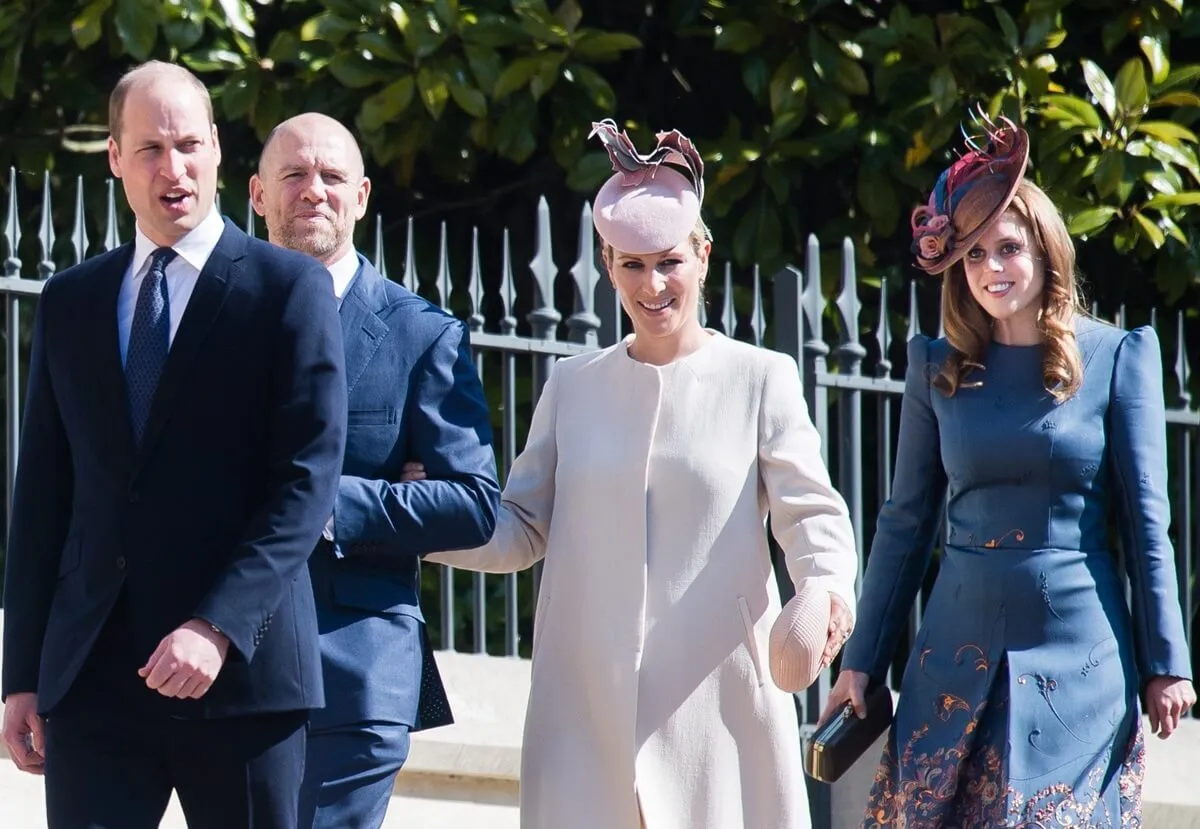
843	737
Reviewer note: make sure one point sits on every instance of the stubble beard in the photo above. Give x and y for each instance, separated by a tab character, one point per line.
317	242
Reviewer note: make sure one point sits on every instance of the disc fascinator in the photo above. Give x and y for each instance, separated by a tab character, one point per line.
997	157
652	201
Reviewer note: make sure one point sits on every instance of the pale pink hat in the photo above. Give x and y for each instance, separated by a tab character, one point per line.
798	639
648	206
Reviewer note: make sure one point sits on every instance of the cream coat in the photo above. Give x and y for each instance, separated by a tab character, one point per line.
645	489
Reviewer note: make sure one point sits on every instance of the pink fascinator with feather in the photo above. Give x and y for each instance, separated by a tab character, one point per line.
999	157
652	201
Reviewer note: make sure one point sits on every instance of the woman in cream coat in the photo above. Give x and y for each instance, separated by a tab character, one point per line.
648	472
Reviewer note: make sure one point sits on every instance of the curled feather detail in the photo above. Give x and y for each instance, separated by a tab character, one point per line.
673	148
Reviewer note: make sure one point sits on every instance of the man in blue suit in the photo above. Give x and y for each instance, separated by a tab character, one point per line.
413	394
183	434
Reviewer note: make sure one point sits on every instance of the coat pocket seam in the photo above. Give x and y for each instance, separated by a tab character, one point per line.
751	639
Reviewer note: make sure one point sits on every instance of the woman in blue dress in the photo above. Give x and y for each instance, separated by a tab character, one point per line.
1019	704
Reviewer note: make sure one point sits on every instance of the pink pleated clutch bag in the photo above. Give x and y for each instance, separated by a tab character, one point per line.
798	639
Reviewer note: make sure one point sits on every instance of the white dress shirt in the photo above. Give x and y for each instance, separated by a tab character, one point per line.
193	250
343	272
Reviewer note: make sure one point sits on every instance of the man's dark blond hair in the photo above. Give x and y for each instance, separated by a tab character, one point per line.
140	74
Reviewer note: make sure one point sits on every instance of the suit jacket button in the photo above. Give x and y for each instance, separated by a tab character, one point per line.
120	562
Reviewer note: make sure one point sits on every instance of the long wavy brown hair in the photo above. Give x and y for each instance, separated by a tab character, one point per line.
969	327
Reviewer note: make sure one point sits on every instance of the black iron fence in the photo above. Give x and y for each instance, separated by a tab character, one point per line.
526	314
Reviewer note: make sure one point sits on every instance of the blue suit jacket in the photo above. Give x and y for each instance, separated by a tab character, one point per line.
216	514
413	395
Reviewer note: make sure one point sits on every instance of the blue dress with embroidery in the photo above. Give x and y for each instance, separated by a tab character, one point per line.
1018	706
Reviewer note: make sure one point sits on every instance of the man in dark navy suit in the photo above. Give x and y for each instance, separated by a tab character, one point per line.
413	394
183	435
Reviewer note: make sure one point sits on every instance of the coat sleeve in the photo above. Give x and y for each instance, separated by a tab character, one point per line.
809	517
450	433
39	517
307	439
1138	446
906	526
527	503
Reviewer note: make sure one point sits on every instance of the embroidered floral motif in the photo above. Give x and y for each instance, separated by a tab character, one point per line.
1019	535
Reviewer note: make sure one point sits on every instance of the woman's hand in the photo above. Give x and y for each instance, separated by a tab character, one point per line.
841	623
412	471
851	686
1167	699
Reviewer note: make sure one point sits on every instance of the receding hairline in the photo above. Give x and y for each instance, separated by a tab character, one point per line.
298	124
145	74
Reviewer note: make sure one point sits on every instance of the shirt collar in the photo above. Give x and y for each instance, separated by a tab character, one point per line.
194	247
343	272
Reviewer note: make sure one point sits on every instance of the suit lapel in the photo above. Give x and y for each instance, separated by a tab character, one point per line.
212	287
113	399
362	329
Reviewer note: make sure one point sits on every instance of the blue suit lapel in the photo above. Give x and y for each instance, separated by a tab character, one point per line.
362	329
110	373
212	287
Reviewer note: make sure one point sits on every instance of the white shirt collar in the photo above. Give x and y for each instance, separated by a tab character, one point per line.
194	247
343	272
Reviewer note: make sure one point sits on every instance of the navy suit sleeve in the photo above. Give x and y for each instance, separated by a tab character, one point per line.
308	437
906	526
450	433
1137	419
40	516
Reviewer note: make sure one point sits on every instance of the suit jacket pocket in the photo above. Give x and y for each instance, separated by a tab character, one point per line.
71	556
376	593
371	417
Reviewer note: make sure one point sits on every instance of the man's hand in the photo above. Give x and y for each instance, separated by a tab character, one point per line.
23	733
1167	699
412	471
186	662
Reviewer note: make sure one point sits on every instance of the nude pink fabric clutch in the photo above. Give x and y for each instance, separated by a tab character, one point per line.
798	639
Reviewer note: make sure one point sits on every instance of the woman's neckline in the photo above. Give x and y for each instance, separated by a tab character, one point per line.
713	336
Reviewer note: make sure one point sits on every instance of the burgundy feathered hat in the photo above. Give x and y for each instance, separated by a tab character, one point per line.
652	201
1000	156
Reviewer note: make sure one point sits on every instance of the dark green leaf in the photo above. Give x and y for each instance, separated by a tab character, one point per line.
469	100
1167	131
756	75
516	132
542	26
590	171
1160	65
1173	229
877	196
214	60
1131	90
1189	198
381	46
598	89
423	35
285	48
548	70
1008	27
738	36
944	90
823	53
1165	180
1177	99
1091	221
1115	30
434	86
183	34
485	64
1109	172
759	235
447	12
779	184
353	70
240	92
788	90
603	46
268	109
569	14
849	75
1101	87
10	68
1070	111
137	26
387	104
1171	154
1040	27
327	27
515	76
1150	230
1181	76
493	31
238	16
88	27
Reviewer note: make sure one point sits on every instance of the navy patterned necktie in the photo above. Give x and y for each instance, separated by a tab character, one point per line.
149	341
